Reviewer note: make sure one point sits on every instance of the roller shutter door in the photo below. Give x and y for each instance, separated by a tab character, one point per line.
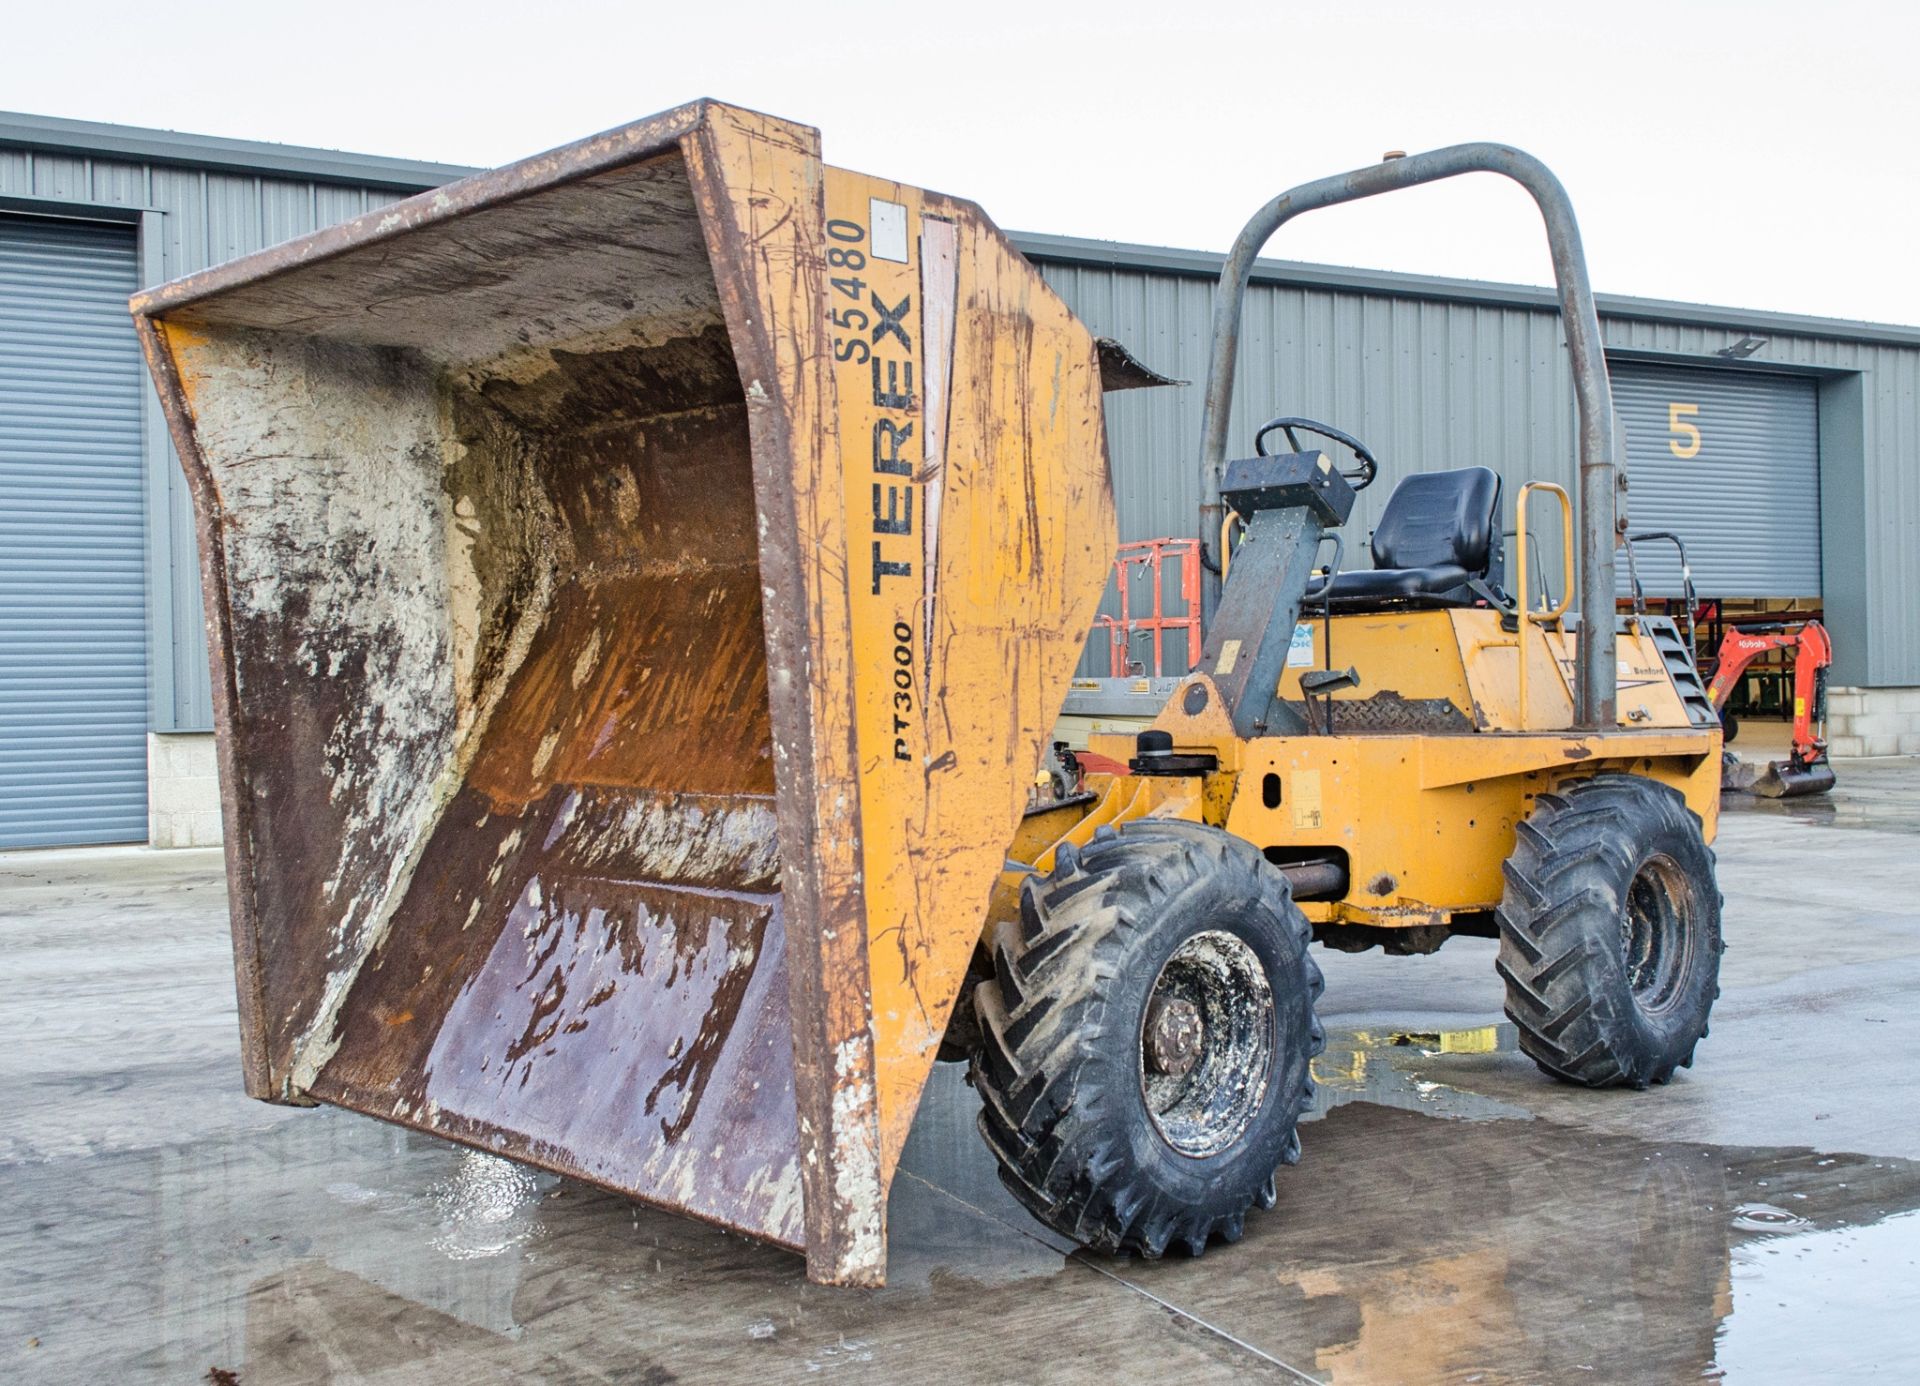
1730	461
73	671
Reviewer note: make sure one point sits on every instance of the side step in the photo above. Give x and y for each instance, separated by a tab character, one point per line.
1678	657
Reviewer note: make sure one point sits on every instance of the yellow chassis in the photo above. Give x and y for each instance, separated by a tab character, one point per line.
1423	818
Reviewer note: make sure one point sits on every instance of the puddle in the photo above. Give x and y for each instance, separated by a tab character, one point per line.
154	1225
1881	794
1764	1217
1429	1234
1412	1249
1853	1289
485	1206
1397	1068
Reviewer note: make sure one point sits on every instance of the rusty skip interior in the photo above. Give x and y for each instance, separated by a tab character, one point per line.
484	500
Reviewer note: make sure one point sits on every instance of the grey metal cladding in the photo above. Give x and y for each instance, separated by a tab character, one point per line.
1478	374
73	616
1871	458
198	202
87	139
1432	372
1730	461
1205	265
1426	385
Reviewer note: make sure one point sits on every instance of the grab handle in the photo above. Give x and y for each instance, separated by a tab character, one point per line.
1528	616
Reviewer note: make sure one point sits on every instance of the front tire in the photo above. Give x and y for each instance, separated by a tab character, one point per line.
1610	932
1146	1038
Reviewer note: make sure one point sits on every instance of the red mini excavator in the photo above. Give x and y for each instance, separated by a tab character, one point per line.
1806	769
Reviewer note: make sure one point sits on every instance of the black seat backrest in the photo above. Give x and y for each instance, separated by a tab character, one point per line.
1441	517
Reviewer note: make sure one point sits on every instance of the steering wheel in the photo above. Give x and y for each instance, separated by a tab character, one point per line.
1359	478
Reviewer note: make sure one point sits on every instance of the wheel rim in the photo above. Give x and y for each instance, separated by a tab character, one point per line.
1655	938
1207	1042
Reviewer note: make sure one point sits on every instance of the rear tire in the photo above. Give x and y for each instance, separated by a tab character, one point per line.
1146	1038
1610	932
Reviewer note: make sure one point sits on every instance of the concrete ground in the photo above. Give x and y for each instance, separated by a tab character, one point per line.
1457	1216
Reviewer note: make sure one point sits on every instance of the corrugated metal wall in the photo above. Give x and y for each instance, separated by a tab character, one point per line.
1436	383
204	217
1870	502
1430	382
1730	461
1426	385
73	619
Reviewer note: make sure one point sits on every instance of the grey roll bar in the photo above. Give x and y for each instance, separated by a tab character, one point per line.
1602	477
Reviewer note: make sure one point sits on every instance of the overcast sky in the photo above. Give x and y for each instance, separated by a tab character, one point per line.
1758	154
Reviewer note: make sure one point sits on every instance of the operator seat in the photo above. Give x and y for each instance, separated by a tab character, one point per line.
1439	533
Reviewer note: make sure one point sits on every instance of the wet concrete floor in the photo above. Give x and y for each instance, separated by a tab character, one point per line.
1457	1217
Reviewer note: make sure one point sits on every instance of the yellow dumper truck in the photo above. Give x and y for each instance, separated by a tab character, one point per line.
641	582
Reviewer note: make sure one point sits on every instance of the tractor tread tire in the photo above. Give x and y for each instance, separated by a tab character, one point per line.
1562	956
1061	1108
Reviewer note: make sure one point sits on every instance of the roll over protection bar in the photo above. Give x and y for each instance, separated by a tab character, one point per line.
1602	475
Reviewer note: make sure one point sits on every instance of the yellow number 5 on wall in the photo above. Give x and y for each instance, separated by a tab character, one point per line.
1685	442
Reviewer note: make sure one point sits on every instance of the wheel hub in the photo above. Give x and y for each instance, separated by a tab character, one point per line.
1208	1042
1654	936
1175	1035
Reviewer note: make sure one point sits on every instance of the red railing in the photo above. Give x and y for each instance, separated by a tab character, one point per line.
1153	556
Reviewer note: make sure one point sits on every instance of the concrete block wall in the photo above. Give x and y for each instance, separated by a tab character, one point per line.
183	790
1873	721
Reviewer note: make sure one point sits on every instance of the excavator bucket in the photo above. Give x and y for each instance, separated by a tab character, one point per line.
1785	780
1779	779
641	581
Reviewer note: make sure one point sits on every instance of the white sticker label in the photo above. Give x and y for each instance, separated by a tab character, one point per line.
1306	798
1229	656
889	221
1300	652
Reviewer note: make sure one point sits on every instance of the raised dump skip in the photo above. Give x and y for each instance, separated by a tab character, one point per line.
641	580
